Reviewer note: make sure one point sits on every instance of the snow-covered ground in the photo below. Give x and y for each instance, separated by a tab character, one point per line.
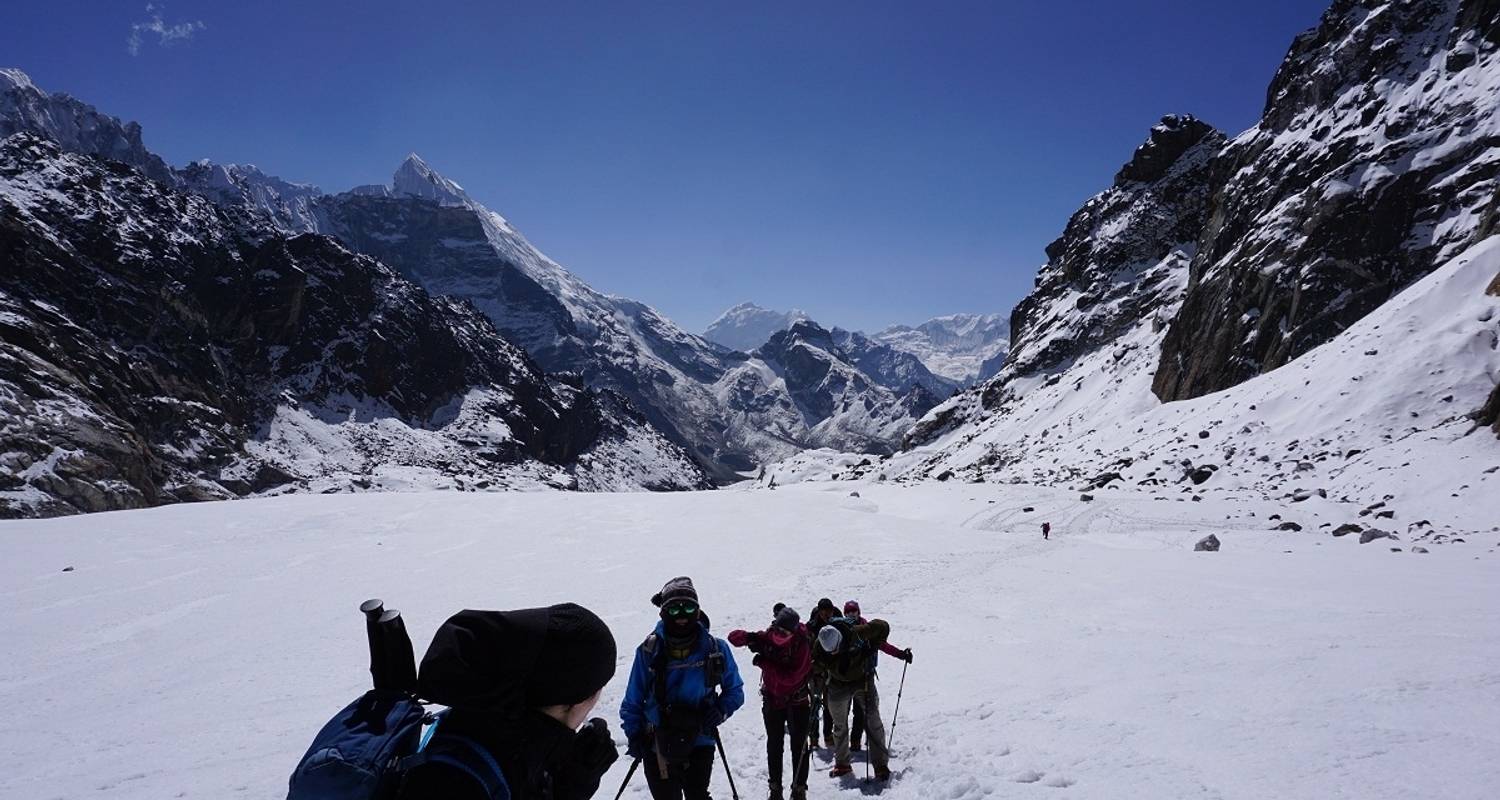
195	649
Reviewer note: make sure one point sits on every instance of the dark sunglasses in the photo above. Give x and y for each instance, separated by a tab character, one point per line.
680	609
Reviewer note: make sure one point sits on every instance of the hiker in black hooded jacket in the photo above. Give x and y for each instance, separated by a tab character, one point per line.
519	683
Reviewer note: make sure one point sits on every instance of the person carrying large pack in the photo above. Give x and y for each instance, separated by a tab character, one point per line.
843	651
820	616
518	684
857	727
683	684
784	654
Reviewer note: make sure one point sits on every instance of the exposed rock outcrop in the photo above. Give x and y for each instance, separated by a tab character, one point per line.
1374	162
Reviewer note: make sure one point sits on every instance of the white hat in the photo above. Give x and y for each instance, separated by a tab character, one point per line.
829	638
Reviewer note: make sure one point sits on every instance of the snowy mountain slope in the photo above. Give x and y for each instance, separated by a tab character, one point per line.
231	360
963	348
1380	418
1111	662
808	384
1376	160
748	326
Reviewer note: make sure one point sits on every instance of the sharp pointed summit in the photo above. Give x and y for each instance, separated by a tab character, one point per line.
417	179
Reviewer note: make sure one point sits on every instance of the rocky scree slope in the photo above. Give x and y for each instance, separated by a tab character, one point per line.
155	348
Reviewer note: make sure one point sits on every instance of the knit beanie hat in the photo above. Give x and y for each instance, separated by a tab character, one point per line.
680	588
851	608
504	661
829	638
787	618
827	605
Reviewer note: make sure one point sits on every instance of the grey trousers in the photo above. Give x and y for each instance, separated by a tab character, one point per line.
840	696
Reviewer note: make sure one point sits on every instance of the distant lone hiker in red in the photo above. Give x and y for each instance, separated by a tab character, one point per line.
1046	530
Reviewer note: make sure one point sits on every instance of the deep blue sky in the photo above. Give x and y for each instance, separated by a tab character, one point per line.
870	162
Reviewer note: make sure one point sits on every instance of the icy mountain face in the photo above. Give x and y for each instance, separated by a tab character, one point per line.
75	125
963	348
289	205
1377	159
803	388
231	360
748	326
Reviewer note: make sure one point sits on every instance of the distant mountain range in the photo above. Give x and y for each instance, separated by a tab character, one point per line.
960	349
427	229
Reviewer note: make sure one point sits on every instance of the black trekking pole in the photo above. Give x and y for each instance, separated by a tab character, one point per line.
628	775
891	740
730	775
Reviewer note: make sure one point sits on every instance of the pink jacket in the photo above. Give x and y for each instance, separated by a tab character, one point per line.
785	661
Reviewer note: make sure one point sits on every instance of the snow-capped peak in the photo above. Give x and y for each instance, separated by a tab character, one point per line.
748	326
415	178
12	78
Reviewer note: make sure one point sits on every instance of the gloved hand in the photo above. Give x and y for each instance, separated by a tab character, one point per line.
713	717
906	655
589	756
738	638
640	745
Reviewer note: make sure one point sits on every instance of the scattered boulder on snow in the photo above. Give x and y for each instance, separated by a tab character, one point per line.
1348	528
854	494
1419	549
1087	498
1494	286
67	569
1371	534
1028	509
1208	544
1288	526
1201	474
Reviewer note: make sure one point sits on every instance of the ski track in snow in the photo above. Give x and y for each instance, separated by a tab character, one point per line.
196	649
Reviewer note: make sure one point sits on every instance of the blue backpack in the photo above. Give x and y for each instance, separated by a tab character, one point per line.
363	752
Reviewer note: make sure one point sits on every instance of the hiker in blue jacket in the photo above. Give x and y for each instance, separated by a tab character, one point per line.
683	685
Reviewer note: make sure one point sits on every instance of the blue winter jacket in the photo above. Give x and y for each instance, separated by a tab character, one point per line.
686	685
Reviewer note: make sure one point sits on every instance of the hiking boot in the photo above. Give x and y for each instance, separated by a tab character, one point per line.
882	774
799	794
840	770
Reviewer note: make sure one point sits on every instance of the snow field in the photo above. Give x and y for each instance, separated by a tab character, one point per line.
194	650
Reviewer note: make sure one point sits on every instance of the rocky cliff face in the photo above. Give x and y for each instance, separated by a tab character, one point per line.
1112	281
230	359
1377	158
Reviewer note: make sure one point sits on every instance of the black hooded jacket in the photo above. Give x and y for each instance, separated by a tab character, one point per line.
494	669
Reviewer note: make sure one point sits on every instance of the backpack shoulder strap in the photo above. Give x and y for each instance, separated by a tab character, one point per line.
467	756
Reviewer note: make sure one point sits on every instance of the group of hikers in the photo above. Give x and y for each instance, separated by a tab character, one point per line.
520	687
684	684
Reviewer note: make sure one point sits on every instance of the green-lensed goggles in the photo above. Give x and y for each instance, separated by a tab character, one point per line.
680	609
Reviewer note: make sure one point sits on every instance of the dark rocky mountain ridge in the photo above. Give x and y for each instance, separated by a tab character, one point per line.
231	359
